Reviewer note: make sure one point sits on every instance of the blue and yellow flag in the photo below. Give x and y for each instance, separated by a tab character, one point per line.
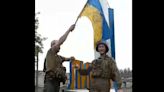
101	17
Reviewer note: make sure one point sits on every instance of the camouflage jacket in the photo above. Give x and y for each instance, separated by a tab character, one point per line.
103	67
53	64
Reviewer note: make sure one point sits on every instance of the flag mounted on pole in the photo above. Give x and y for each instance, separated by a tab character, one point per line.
101	17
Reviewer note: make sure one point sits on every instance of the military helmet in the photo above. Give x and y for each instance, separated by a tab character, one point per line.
98	43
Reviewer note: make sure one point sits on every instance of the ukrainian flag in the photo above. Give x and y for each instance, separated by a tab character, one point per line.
101	17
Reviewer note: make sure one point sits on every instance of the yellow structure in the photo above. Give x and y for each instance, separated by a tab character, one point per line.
77	81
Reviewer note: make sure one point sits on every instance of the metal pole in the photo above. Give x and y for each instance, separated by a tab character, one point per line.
81	12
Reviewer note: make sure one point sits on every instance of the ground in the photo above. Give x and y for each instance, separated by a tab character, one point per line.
127	89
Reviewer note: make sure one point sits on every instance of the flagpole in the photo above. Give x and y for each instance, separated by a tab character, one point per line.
81	12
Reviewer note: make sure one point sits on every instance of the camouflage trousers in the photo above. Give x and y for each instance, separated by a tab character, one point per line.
100	85
52	85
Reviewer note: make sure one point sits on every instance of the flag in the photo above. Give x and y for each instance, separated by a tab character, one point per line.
101	17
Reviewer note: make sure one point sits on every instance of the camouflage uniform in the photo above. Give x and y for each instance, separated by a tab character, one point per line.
102	70
55	72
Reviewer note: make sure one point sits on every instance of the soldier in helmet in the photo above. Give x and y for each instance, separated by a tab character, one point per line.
102	71
54	71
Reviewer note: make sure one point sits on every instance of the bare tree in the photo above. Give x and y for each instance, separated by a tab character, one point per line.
38	45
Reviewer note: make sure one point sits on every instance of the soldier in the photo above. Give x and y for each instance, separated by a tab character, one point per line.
54	71
102	71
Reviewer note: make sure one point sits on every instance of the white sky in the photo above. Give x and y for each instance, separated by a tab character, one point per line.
58	15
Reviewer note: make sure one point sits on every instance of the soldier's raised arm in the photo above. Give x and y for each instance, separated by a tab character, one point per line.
62	38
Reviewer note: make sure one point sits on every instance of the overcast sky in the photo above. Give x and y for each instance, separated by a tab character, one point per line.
56	16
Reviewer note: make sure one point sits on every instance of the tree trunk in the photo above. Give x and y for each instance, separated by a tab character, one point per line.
37	72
